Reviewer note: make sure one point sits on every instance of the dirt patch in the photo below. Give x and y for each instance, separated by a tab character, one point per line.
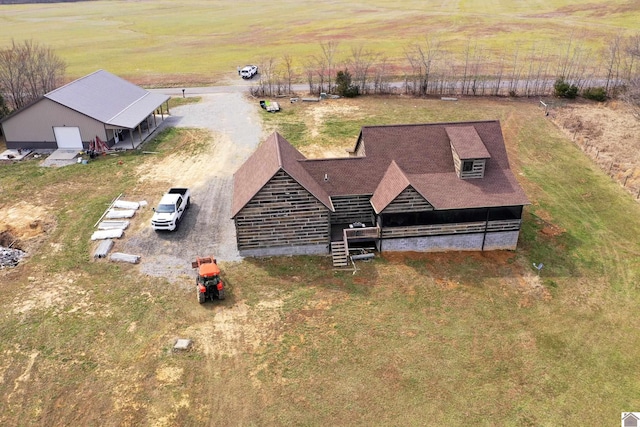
23	227
320	112
61	296
23	220
609	134
316	115
186	168
230	332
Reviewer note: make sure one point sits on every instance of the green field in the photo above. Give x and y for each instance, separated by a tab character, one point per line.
410	339
173	42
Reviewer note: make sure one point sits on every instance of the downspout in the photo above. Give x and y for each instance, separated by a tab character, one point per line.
379	225
486	226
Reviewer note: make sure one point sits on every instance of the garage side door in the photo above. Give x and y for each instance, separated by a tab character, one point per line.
68	137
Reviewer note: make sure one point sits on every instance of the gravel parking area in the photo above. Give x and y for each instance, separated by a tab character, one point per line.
207	228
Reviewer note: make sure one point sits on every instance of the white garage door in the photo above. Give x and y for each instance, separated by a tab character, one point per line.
68	137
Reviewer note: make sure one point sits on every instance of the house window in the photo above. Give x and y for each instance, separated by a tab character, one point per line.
467	166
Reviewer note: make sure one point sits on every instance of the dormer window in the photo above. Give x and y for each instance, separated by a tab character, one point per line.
468	151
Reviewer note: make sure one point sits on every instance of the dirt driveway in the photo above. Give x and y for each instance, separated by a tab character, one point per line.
207	228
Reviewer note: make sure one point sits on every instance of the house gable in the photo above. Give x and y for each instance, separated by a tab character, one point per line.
35	124
282	214
408	201
275	154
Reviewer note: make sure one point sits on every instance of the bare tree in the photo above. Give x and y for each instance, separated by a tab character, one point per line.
287	62
321	70
28	71
309	70
499	74
329	50
361	60
477	83
632	92
422	57
515	74
467	57
380	85
613	56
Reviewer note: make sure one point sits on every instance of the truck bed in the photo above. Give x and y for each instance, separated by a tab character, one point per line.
177	190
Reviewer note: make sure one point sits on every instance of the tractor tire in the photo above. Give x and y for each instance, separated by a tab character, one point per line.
221	295
201	296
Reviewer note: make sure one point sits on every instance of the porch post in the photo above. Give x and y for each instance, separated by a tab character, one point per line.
486	226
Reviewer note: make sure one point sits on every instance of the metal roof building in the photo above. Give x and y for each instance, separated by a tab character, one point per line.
97	105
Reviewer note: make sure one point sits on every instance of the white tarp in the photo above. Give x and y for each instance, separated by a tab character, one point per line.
122	204
119	256
111	225
103	248
107	234
120	213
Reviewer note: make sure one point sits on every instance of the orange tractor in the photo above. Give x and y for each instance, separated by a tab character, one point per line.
208	284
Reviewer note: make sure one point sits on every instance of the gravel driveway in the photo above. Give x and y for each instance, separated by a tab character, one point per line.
207	228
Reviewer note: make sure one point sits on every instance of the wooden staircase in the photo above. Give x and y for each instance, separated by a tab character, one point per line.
340	254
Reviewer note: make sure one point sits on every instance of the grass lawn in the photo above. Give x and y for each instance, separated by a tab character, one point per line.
409	339
198	41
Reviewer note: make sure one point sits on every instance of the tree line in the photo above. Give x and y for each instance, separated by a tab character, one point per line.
428	68
28	70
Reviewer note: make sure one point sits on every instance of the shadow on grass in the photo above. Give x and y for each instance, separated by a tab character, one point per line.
539	243
295	272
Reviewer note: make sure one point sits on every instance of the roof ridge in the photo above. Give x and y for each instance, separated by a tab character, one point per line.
429	124
278	153
146	93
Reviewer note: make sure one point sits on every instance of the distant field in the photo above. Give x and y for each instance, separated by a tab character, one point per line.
204	41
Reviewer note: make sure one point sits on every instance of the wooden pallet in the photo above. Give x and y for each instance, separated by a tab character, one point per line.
339	254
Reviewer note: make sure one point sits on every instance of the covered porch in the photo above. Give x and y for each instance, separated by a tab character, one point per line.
122	138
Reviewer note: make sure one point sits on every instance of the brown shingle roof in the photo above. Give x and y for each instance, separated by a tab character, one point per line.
467	143
422	154
274	154
392	184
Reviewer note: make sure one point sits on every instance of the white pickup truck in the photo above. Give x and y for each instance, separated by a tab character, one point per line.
172	206
248	72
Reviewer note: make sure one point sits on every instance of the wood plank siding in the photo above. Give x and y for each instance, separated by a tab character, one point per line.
408	201
460	228
282	213
350	209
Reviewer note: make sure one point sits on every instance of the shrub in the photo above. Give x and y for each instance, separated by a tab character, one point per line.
565	90
595	94
344	86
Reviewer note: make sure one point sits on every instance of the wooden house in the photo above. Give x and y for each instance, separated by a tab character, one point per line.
423	187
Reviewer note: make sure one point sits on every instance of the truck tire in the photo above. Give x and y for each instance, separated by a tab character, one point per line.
188	203
201	296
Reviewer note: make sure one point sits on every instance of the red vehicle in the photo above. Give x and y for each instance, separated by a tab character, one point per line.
209	285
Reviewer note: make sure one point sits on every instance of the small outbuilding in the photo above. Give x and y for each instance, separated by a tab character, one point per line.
423	187
97	105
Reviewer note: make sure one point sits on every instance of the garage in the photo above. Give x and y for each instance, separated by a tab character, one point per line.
68	138
92	106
